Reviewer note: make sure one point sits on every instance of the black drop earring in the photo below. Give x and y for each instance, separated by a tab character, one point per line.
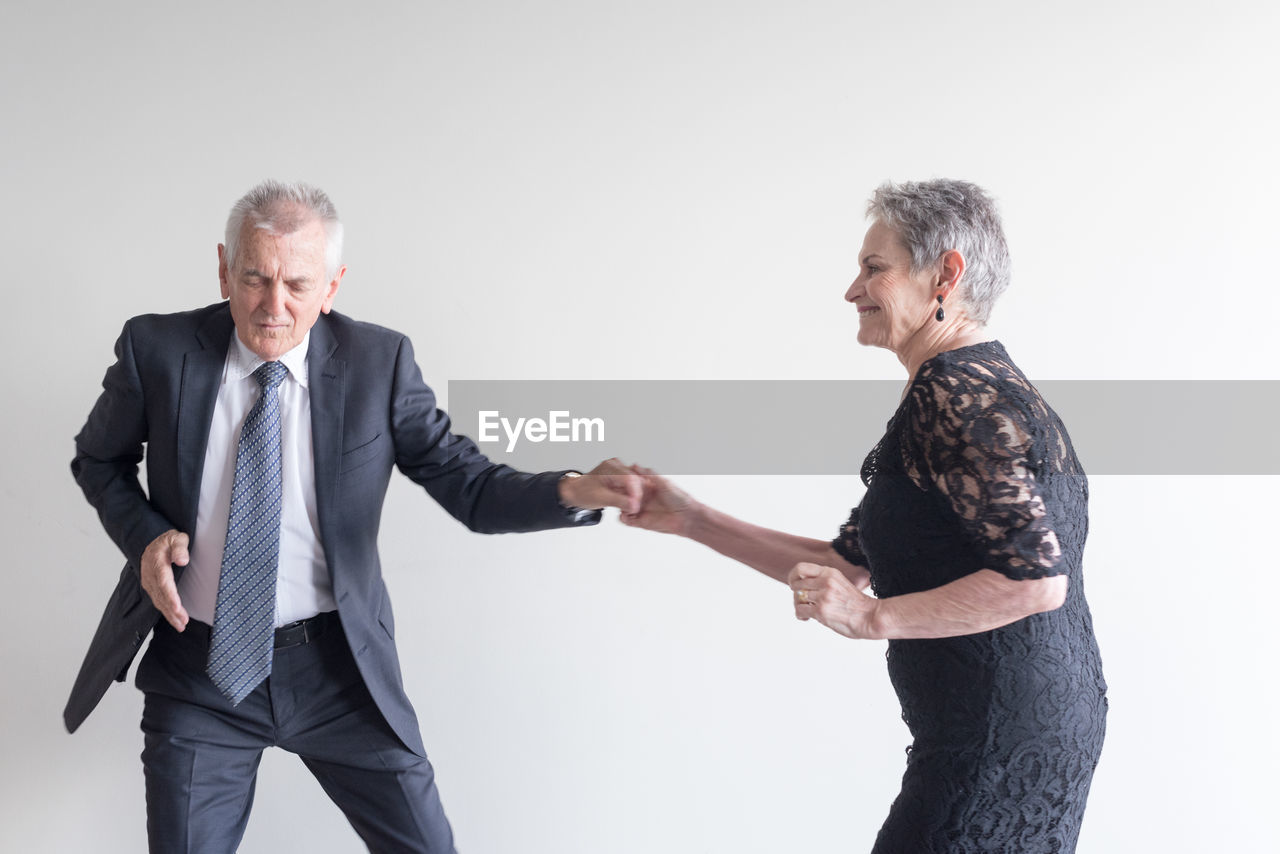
940	315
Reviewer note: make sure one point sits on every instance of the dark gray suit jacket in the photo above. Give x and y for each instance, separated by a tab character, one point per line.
370	411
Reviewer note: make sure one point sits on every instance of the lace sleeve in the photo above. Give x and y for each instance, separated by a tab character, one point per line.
973	444
846	543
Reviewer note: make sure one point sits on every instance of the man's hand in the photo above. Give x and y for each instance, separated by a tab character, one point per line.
823	593
610	484
156	574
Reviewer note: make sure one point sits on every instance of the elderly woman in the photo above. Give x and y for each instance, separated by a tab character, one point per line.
970	535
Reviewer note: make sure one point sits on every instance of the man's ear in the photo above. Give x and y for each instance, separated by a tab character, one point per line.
222	272
327	305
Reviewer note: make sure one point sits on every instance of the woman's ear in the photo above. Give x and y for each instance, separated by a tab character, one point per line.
952	269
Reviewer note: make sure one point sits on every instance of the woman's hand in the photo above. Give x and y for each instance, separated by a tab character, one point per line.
666	508
825	594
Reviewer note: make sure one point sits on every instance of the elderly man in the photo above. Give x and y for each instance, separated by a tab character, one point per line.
271	425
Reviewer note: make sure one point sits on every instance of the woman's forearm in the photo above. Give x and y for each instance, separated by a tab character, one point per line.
670	510
765	550
978	602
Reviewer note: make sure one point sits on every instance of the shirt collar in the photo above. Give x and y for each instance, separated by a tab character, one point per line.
242	362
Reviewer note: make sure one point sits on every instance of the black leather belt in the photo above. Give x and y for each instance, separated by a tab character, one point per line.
305	631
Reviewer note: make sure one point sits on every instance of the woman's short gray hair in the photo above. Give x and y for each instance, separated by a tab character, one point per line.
283	208
933	217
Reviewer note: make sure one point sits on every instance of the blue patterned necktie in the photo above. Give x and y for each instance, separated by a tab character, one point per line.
242	642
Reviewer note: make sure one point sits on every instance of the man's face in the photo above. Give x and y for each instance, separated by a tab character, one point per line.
277	286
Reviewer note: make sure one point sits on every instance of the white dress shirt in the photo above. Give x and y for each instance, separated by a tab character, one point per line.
303	584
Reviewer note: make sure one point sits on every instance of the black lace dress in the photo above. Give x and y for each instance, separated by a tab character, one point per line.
976	471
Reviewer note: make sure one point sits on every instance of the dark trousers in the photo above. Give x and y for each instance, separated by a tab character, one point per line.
201	754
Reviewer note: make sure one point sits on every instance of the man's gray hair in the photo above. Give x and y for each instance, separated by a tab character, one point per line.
933	217
282	209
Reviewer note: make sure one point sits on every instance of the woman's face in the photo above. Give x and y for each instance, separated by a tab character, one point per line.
893	304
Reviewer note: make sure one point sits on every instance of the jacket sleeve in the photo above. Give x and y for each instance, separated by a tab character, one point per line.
485	496
108	450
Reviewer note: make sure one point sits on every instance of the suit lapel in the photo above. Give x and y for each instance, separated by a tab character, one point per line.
201	375
327	380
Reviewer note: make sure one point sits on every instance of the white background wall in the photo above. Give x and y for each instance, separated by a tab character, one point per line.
655	190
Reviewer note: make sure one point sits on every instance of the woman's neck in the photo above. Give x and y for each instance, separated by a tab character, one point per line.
936	338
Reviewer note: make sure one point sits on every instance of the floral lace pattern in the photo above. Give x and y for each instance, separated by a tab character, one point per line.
976	471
